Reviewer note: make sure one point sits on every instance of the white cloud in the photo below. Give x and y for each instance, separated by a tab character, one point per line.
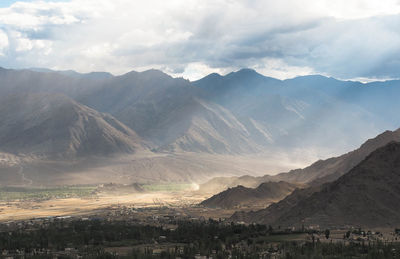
278	68
196	70
357	9
3	42
190	38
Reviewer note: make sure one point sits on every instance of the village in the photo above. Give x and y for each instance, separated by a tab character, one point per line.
121	231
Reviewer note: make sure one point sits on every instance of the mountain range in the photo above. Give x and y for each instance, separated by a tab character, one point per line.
66	116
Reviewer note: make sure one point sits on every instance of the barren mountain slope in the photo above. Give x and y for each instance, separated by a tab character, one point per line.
55	126
241	196
171	114
320	172
366	196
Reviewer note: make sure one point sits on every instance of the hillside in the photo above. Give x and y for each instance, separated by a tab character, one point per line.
330	169
305	111
368	196
54	126
170	114
241	196
69	83
318	173
220	184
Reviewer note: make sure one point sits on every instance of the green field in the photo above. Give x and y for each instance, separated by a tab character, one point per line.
284	237
47	193
169	187
24	193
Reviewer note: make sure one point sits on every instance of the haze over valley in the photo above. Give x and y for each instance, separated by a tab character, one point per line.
68	123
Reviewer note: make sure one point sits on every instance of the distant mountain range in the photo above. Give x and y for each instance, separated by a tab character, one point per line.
309	111
170	114
240	113
65	115
367	196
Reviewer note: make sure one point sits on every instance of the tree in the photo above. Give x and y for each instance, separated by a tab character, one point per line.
327	233
270	229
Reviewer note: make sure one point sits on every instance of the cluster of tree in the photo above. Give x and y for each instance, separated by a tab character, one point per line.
340	250
296	250
210	238
204	236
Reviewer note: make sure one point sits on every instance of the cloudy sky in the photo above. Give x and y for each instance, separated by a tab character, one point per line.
191	38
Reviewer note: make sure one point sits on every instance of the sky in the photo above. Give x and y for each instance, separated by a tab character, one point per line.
346	39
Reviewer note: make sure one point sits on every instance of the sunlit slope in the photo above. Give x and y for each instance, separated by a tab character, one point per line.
55	126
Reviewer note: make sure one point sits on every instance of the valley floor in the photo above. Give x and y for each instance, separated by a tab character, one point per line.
22	210
146	167
162	221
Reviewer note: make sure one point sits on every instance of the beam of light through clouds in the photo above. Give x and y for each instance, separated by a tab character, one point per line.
191	38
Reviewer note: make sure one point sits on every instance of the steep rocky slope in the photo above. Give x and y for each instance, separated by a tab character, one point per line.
368	195
318	173
55	126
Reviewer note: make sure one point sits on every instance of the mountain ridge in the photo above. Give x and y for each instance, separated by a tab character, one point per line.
367	196
318	173
53	125
240	196
257	115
